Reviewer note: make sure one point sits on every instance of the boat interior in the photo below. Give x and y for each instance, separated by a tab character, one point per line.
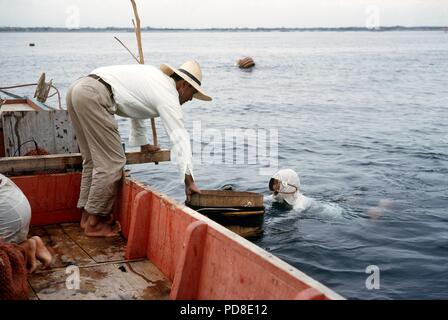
167	251
100	265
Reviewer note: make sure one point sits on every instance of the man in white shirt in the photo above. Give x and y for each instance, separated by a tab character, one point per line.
137	92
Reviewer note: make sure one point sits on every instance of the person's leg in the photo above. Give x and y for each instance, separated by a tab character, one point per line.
30	247
42	253
91	100
87	164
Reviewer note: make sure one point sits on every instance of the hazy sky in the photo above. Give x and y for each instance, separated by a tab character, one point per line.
224	13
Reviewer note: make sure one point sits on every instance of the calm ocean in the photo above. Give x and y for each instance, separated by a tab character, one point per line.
361	116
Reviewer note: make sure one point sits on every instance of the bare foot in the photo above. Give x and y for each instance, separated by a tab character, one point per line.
84	217
98	226
42	253
30	247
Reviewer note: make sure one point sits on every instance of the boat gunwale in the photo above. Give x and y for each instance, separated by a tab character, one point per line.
243	245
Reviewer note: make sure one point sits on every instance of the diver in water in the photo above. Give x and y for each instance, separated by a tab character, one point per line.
285	185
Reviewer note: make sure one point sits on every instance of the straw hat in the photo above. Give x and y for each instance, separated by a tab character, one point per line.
191	72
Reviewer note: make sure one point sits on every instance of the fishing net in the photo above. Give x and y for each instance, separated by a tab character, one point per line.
37	152
13	273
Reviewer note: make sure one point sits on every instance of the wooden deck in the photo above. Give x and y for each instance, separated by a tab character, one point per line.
104	271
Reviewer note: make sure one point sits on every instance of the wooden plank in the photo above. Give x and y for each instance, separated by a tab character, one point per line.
116	281
145	157
40	163
20	127
139	226
18	105
158	286
98	282
64	250
11	165
29	119
65	138
99	249
188	273
226	199
122	206
163	238
14	101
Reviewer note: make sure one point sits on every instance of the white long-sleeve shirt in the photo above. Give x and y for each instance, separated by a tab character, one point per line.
142	92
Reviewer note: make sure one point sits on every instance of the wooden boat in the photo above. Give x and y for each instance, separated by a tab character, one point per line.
167	250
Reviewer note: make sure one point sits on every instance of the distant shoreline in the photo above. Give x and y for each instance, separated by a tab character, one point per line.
150	29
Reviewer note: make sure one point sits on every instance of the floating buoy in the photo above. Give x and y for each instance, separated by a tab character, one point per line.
31	44
246	63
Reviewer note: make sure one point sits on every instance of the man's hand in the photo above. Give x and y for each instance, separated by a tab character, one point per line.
190	187
149	148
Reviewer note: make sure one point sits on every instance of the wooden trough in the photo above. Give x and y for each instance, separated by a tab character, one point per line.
241	212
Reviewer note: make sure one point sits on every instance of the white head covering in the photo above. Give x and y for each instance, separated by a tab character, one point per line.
288	180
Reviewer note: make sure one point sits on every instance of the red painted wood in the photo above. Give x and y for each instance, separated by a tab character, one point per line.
52	197
162	250
56	216
188	273
250	275
310	294
122	207
153	245
139	226
167	229
15	101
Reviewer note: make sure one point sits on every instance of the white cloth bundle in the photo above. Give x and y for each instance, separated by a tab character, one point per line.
15	212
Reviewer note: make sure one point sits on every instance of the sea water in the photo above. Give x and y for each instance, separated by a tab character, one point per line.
361	116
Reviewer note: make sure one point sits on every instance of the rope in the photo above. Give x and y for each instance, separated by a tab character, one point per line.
18	148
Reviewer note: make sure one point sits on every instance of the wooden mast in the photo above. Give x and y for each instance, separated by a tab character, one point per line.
141	58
